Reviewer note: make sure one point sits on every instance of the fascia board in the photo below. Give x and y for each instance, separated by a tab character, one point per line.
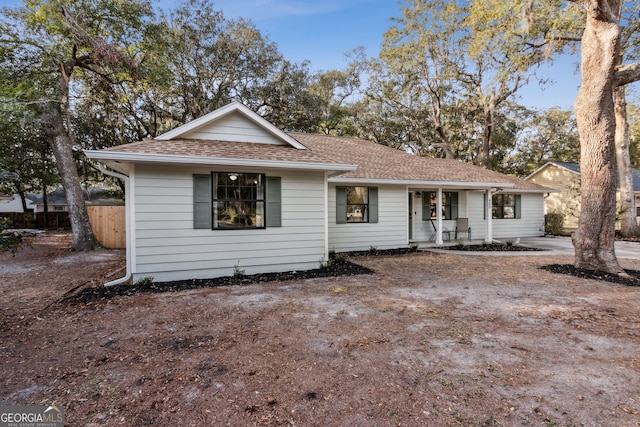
448	184
217	161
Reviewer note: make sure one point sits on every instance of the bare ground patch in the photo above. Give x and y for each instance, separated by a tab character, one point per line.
430	339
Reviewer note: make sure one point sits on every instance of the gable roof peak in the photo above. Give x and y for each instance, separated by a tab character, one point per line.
222	112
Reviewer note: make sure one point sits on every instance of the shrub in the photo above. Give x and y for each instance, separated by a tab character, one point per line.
553	223
144	281
338	257
9	240
237	271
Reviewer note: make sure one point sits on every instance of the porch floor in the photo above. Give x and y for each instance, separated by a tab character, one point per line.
426	244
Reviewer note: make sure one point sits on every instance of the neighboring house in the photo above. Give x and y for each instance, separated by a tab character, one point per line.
229	191
565	177
93	196
14	204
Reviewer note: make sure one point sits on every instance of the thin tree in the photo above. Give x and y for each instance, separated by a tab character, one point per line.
630	22
64	39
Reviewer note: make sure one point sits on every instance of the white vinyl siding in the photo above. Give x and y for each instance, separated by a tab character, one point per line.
169	248
390	232
530	223
234	127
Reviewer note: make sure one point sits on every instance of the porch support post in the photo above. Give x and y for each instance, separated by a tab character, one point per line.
439	217
489	214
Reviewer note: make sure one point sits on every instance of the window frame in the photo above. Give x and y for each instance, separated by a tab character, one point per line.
450	209
364	207
371	209
500	207
257	201
203	202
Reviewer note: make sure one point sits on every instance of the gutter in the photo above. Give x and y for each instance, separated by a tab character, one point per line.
127	203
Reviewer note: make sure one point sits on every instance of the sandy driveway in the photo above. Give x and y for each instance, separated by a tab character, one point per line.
430	339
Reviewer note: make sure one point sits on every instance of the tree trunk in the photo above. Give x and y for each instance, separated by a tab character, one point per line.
23	197
45	207
628	223
595	237
83	238
489	111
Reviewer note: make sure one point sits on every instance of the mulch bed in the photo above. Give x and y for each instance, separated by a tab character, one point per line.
336	268
492	247
93	294
593	274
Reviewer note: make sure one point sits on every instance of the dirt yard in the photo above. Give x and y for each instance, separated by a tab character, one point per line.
429	340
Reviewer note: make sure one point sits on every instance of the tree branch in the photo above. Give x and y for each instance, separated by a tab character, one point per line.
626	74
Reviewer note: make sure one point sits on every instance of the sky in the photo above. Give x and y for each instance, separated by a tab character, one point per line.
322	32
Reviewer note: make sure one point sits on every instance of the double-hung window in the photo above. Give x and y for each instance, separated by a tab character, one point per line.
505	206
234	201
238	200
356	204
430	205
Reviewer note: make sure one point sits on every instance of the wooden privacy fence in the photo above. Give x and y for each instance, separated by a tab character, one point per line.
108	224
41	220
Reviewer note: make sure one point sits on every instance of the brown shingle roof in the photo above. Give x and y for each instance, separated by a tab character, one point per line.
375	161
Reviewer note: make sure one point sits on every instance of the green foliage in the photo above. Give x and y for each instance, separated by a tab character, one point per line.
337	257
144	281
326	264
553	223
551	135
9	241
237	271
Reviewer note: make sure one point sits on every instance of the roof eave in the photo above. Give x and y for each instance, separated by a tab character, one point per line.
546	165
423	183
119	156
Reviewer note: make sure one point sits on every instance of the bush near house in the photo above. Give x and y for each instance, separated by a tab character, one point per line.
553	223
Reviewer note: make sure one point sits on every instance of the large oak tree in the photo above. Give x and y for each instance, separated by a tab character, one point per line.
601	74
